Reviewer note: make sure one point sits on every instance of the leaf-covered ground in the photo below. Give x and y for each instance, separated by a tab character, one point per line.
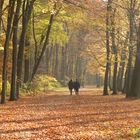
58	116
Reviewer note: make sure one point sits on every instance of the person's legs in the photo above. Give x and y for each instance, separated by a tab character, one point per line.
76	91
70	91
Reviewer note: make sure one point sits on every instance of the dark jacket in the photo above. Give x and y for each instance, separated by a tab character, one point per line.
76	85
70	84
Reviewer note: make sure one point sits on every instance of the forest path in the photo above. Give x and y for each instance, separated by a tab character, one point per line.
59	116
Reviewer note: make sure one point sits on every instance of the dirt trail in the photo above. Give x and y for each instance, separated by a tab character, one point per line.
58	116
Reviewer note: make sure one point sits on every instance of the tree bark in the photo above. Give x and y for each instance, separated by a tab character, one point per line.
120	79
26	14
135	87
115	51
6	46
131	39
27	54
63	65
49	54
106	78
56	68
14	57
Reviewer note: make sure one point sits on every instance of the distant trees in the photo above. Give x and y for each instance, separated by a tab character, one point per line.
45	43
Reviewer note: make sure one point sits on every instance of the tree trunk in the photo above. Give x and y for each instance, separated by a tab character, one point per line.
27	55
6	45
26	70
50	50
26	14
106	79
63	64
120	79
98	80
135	87
14	57
56	68
131	39
47	59
115	51
110	78
115	75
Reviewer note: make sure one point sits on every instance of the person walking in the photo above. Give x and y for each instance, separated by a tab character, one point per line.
76	86
70	86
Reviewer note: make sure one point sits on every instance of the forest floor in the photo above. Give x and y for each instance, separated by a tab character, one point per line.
59	116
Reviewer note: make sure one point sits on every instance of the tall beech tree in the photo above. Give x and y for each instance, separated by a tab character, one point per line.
115	51
131	18
121	71
11	6
135	88
26	15
14	57
27	54
106	79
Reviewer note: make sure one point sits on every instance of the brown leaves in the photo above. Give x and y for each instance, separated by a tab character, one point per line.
60	116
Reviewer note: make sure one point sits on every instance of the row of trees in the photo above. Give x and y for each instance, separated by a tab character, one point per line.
13	17
122	47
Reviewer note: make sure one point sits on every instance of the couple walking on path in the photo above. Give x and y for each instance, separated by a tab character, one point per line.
74	85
